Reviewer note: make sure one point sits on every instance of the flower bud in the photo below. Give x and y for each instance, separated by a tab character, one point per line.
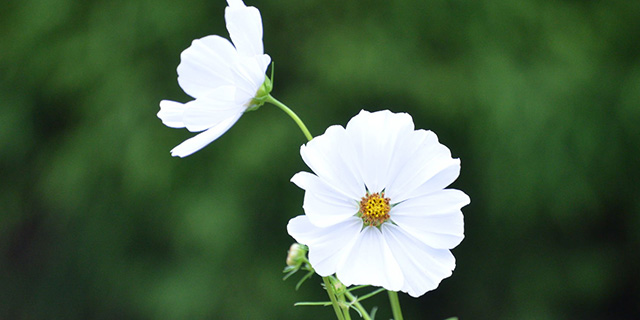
296	254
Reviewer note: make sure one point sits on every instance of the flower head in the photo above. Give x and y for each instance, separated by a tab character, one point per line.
223	78
376	209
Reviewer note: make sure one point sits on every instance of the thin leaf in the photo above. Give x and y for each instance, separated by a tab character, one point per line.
371	294
358	287
324	304
356	309
306	276
373	313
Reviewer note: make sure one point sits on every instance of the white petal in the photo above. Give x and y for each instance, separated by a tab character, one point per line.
423	267
446	176
444	231
435	220
209	110
206	64
324	205
327	246
198	142
375	136
245	28
327	211
371	262
404	152
249	75
331	157
427	161
171	113
310	182
432	204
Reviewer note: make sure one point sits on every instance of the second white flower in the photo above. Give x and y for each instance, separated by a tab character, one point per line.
376	209
222	77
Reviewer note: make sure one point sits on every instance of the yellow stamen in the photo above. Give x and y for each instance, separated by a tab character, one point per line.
374	209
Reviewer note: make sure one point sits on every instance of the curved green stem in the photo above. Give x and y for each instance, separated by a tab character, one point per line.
357	305
291	114
332	296
395	305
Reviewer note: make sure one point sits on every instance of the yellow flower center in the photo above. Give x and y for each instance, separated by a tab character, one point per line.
374	209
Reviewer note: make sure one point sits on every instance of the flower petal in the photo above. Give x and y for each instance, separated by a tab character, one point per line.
446	176
323	205
312	183
432	204
435	220
206	64
331	157
375	136
327	246
327	211
423	267
198	142
171	113
245	28
209	110
426	162
371	262
444	231
249	75
403	152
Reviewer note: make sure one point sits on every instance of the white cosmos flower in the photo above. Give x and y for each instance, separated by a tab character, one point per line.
376	209
222	77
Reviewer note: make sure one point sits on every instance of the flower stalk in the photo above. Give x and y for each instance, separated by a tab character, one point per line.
395	305
291	114
332	296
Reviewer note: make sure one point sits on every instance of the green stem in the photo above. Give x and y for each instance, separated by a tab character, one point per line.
291	114
332	296
357	305
395	305
345	308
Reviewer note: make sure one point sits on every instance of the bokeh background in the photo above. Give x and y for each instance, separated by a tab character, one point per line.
539	99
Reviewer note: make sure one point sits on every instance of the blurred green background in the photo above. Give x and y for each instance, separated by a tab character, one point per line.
539	99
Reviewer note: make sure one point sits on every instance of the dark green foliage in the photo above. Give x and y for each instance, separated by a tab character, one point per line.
539	99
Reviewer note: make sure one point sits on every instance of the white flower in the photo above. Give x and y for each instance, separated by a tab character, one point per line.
376	209
224	78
